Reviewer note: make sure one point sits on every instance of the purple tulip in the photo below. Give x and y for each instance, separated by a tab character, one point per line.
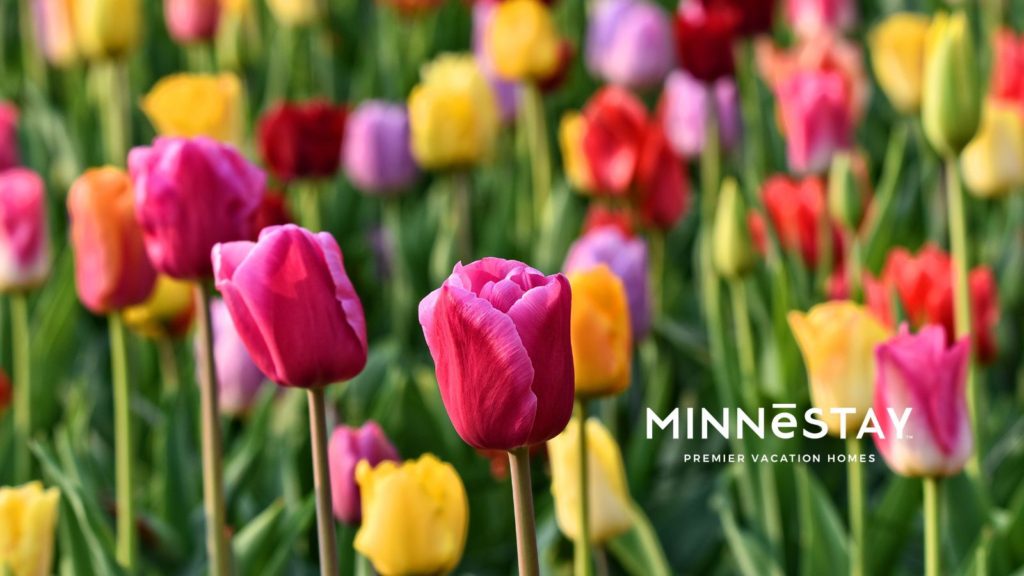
377	155
684	113
506	92
630	43
8	136
347	447
627	259
498	332
238	378
24	239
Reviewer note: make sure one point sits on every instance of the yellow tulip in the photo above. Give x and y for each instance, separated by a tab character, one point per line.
295	12
732	248
607	491
522	41
951	104
602	341
838	341
415	516
993	163
107	28
197	105
896	46
167	313
453	114
570	137
28	519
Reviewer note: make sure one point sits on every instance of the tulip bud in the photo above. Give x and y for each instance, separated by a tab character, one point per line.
54	28
166	313
951	108
522	40
602	342
24	235
192	105
845	203
630	43
8	136
295	12
302	140
191	21
415	516
733	249
608	500
347	448
377	155
992	163
107	28
896	47
28	517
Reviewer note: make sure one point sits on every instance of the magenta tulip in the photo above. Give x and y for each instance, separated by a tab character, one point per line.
8	136
498	331
921	373
191	194
293	305
239	380
816	119
24	237
192	20
349	446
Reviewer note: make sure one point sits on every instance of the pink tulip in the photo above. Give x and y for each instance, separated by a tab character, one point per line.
815	119
630	43
8	136
293	305
920	372
239	380
349	446
24	239
189	195
192	20
498	331
810	18
684	112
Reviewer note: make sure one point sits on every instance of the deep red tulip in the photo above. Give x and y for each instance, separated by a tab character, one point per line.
757	16
302	140
614	138
273	211
6	393
704	39
662	187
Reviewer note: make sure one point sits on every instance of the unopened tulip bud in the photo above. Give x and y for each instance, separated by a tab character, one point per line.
844	197
951	108
732	249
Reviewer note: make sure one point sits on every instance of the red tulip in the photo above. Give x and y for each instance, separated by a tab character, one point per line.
704	39
1008	68
600	216
797	210
756	16
662	186
6	393
192	20
302	140
614	138
273	211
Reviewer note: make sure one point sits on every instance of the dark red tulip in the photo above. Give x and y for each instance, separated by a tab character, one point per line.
662	188
302	140
756	16
704	39
273	211
601	216
612	143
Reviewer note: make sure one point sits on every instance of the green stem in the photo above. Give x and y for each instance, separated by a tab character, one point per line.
400	296
656	240
168	367
124	457
322	483
200	58
854	267
874	233
310	197
33	62
932	552
21	336
363	566
117	114
461	210
855	482
583	563
535	127
522	499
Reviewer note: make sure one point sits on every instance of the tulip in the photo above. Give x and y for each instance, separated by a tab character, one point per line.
602	342
815	120
8	136
662	188
810	18
415	516
295	12
294	306
302	140
951	107
845	195
239	380
192	105
796	209
625	256
348	447
821	54
28	522
600	216
571	131
684	113
499	334
54	28
112	271
6	392
630	43
896	47
838	340
522	41
377	156
616	122
756	16
272	212
506	92
991	163
107	28
191	194
166	313
192	20
732	249
1007	77
24	236
704	38
923	373
608	497
453	114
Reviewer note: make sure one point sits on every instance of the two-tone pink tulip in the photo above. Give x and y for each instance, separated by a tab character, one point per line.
24	234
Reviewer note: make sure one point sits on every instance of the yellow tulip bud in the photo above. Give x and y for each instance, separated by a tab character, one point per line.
608	497
28	519
844	195
838	341
732	247
167	313
453	114
107	28
993	163
570	137
197	105
951	106
896	46
295	12
522	41
415	516
602	340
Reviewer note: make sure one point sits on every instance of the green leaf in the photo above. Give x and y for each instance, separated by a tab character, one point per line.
823	539
639	550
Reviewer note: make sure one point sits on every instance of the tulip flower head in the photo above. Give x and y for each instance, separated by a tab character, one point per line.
685	109
107	28
630	43
522	41
756	16
55	31
810	18
732	249
615	125
571	131
7	393
815	120
190	105
302	140
704	38
28	522
166	313
661	190
951	107
796	209
24	234
991	162
602	341
377	155
190	21
348	447
8	136
1008	69
499	334
239	380
897	50
295	13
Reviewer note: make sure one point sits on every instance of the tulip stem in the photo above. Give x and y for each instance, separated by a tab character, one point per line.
583	564
322	483
855	486
213	473
540	156
168	367
124	458
22	383
310	197
879	214
400	296
932	558
462	211
117	120
522	499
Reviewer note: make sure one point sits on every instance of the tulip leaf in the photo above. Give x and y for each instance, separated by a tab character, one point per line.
639	550
823	539
891	522
750	554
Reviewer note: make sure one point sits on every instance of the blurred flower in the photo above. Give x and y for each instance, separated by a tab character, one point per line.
896	46
732	249
348	447
499	334
630	43
197	105
602	342
24	234
453	114
571	130
1008	69
8	136
815	119
838	340
991	162
923	285
921	372
112	271
189	195
704	38
415	516
302	140
28	522
506	92
107	28
684	113
810	18
192	20
273	211
6	392
166	313
602	216
661	188
239	380
522	40
613	136
624	255
294	306
608	500
295	12
410	8
377	155
756	16
797	209
951	107
845	192
54	29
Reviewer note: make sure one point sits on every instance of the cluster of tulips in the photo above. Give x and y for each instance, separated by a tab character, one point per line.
522	170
